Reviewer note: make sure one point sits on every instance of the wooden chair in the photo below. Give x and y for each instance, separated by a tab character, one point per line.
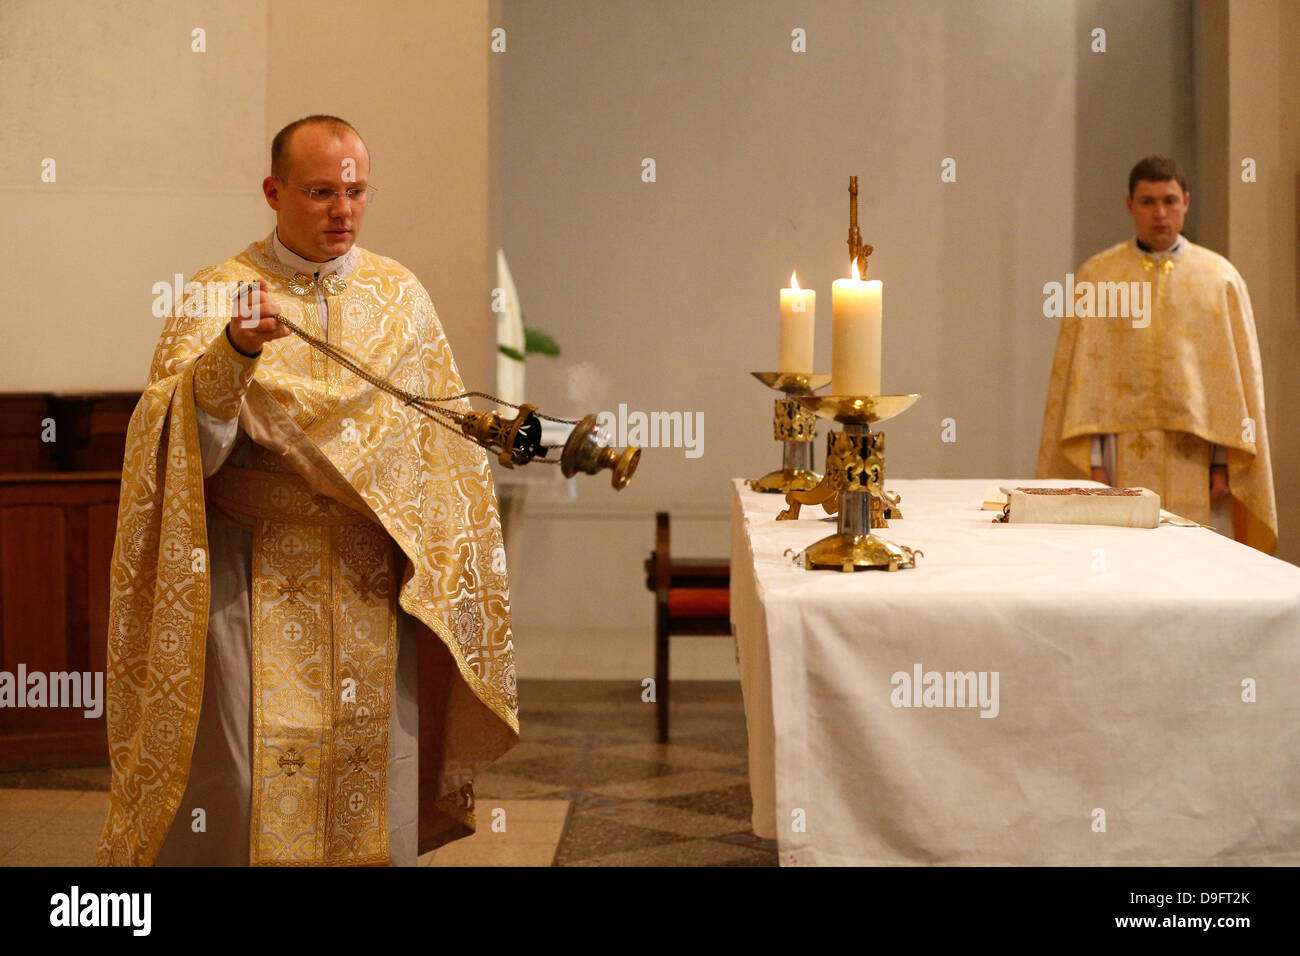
692	597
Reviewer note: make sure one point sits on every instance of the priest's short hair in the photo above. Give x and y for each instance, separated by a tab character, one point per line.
279	145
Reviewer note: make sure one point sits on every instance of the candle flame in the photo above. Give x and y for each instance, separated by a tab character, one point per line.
794	282
854	270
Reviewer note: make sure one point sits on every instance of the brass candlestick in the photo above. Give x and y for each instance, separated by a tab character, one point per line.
796	428
855	475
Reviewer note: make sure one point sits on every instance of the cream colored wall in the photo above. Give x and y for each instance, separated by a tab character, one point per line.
1264	124
415	82
664	295
161	151
1148	61
158	152
1211	194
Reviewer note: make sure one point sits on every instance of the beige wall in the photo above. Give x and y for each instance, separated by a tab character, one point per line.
1136	99
664	295
1263	122
161	153
1211	195
417	86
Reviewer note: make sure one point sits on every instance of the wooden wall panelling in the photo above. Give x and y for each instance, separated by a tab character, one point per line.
56	540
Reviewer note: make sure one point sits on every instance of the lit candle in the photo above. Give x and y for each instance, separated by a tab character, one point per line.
855	335
798	309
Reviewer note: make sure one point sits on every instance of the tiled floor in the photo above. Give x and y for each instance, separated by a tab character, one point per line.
510	833
634	802
50	827
586	786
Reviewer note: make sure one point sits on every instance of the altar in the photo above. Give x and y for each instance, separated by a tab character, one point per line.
1026	694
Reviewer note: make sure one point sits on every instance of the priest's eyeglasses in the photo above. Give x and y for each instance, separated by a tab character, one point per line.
359	195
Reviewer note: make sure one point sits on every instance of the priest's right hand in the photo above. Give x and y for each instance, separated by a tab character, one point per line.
252	322
1099	474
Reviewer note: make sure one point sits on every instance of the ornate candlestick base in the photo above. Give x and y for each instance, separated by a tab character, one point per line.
796	428
858	552
854	486
786	480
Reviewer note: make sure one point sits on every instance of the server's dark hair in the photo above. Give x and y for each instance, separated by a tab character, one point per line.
1156	169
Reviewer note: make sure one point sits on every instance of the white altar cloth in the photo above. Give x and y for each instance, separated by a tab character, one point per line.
1125	661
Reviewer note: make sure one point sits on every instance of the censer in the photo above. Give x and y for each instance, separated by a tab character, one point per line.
515	441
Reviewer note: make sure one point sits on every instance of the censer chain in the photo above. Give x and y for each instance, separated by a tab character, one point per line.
428	406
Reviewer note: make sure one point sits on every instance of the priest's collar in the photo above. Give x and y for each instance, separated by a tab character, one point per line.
1180	244
342	264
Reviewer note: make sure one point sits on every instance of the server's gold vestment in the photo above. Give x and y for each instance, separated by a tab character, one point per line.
1188	380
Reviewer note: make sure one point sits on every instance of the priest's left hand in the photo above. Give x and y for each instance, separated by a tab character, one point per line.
1219	483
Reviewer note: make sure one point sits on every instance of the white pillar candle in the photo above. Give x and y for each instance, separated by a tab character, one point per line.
798	319
855	335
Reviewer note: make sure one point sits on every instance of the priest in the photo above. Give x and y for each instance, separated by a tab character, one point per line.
309	648
1169	396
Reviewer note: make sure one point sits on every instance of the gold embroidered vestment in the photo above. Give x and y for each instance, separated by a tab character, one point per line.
1189	380
364	510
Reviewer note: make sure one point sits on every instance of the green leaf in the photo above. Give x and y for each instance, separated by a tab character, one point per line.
538	341
512	353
